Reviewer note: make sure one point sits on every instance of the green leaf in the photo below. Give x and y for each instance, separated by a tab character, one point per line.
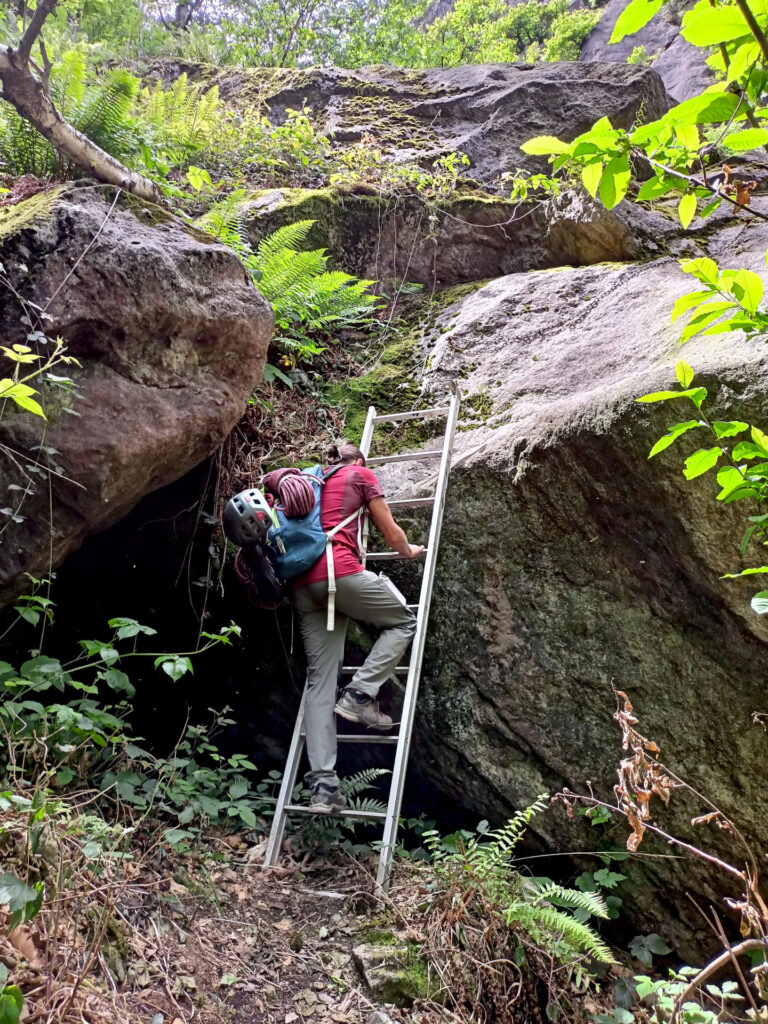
14	893
700	462
655	187
748	450
759	602
684	373
686	209
545	145
703	268
634	16
760	438
703	317
119	682
615	181
708	108
590	176
696	395
729	428
238	788
657	945
744	572
174	665
749	138
708	26
748	289
688	301
672	435
711	207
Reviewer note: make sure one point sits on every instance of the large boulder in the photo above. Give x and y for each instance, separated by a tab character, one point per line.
170	336
464	239
682	68
570	564
484	110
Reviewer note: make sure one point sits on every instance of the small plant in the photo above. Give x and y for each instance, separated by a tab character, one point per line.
687	995
310	301
492	923
11	999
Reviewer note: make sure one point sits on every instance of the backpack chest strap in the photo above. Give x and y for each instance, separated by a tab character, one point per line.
330	534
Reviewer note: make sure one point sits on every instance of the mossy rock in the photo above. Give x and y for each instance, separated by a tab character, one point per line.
14	219
395	973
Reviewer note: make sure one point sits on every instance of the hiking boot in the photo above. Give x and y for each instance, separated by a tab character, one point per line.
359	707
324	800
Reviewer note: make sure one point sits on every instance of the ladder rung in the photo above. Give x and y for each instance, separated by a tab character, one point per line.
411	502
412	607
405	457
423	414
351	669
365	815
355	737
388	556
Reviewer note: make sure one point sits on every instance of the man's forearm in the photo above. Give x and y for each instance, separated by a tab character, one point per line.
398	541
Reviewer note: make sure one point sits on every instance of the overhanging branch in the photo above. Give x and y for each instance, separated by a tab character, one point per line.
29	95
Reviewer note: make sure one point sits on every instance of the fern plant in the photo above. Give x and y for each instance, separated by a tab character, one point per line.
484	912
180	121
320	834
101	110
310	301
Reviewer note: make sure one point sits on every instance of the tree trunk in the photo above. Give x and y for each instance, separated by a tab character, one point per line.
26	93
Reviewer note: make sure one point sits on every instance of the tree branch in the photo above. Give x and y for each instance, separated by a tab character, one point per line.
34	29
29	95
697	184
754	28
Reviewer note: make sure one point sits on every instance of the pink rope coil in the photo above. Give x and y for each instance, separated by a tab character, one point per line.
294	489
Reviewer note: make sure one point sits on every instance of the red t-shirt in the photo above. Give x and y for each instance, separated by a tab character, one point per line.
349	489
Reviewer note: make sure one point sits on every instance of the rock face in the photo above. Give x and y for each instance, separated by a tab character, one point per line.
466	239
171	338
570	564
682	67
483	110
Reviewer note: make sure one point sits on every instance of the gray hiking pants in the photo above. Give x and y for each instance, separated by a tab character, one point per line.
363	596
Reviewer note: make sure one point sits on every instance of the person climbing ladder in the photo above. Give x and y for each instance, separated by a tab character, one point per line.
350	487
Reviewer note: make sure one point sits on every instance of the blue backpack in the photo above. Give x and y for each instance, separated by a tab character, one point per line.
297	543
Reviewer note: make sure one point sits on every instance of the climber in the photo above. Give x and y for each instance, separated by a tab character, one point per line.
360	595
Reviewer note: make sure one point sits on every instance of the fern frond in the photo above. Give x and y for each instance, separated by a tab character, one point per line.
360	781
573	898
537	920
290	236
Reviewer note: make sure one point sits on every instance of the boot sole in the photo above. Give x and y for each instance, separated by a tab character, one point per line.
350	716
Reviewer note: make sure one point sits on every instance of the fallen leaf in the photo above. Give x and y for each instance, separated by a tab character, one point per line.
284	924
20	940
290	1017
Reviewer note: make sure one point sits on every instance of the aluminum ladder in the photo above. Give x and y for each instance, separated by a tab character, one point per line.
402	739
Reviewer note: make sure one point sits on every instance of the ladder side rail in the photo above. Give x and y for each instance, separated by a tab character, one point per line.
419	641
290	775
365	447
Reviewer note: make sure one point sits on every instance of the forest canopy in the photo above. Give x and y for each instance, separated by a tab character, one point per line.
346	33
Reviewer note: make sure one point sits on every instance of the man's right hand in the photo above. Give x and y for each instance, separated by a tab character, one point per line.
415	550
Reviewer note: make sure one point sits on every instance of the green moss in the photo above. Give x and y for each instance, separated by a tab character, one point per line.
24	214
380	937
